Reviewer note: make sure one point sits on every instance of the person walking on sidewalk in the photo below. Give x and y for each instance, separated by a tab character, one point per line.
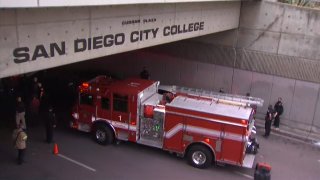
50	123
278	108
19	138
268	121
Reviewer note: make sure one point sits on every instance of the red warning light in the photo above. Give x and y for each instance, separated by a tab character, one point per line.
86	85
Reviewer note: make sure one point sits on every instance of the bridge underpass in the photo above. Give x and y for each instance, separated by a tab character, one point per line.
222	56
38	38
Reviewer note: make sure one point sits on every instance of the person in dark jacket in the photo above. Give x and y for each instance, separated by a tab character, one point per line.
278	108
20	113
34	110
144	73
268	121
50	124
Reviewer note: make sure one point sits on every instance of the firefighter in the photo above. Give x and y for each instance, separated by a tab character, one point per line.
278	111
50	124
268	121
19	138
144	73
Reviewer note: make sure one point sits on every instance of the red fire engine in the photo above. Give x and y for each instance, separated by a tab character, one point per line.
204	126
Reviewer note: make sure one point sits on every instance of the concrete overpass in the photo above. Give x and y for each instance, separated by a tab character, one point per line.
41	34
271	50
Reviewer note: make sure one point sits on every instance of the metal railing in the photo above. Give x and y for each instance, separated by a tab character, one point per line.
247	100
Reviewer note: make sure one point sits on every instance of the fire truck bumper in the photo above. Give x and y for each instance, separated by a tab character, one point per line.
248	160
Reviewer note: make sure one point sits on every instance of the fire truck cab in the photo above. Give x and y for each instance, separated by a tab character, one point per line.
205	127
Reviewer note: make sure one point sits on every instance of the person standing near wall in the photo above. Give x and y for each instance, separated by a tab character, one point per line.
278	108
268	121
50	123
144	74
19	138
34	110
20	113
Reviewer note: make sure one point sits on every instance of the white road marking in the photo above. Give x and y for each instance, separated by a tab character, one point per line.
76	162
242	174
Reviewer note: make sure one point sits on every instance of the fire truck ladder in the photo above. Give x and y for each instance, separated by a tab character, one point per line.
242	100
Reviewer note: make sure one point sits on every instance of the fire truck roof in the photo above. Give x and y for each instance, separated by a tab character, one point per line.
211	107
131	85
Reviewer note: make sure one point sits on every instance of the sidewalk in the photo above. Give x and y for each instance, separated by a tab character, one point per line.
306	136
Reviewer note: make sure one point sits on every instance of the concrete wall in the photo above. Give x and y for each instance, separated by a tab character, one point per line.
28	35
300	98
64	3
281	39
275	53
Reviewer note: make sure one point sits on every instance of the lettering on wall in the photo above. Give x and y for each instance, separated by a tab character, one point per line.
25	54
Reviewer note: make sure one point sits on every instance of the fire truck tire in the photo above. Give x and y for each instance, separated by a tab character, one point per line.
199	156
103	134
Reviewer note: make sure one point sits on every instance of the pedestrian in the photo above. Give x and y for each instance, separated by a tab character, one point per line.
278	108
34	110
44	102
50	123
35	89
41	90
19	138
144	74
20	113
268	121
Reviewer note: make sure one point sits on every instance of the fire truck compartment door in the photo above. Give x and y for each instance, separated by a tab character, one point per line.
174	132
103	107
121	123
87	108
120	116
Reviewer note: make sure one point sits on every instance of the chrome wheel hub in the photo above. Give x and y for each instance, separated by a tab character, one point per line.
199	158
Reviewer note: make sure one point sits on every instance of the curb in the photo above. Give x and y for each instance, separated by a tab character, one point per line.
303	136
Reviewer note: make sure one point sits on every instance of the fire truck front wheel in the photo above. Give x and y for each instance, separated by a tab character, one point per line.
103	134
199	156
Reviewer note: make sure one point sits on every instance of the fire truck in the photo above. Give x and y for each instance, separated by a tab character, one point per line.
204	126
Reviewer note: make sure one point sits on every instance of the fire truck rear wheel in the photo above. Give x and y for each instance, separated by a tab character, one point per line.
103	134
199	156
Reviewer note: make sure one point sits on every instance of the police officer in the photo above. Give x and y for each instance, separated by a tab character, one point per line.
268	121
50	124
278	108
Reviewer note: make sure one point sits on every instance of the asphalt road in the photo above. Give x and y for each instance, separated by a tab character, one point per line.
82	159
